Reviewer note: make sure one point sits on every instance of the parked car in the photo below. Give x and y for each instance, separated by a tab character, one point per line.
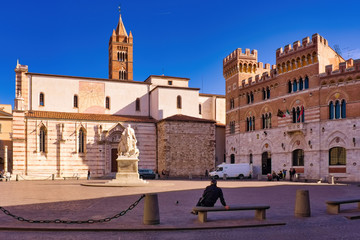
147	173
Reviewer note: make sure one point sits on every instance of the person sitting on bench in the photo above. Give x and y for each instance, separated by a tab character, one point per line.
210	196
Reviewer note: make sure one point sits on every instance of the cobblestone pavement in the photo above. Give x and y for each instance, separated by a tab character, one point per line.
71	201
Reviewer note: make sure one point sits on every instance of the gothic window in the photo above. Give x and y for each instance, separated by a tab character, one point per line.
42	99
268	93
343	109
247	125
306	82
337	156
232	103
301	84
199	108
295	86
289	87
107	102
76	101
178	102
269	120
248	98
251	97
118	56
294	115
82	138
263	121
337	109
232	127
42	139
298	157
137	103
250	158
264	93
253	123
331	110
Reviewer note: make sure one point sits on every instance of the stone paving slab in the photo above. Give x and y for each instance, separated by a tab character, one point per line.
69	200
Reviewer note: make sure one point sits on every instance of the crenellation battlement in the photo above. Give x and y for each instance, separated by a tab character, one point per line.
258	78
348	66
238	53
305	43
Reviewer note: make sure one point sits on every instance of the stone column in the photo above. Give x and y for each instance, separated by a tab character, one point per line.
6	159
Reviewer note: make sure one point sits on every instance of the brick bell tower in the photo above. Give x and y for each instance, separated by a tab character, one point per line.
121	53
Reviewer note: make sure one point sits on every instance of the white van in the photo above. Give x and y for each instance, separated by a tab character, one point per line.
240	170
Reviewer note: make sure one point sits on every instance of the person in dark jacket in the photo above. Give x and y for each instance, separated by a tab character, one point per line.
211	195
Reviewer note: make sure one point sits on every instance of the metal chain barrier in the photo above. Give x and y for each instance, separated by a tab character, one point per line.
108	219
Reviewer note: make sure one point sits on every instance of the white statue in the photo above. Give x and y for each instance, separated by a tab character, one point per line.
127	145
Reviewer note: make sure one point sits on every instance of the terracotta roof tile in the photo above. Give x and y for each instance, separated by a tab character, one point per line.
185	118
88	117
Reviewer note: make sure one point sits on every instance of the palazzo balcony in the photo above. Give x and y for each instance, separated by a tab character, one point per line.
296	127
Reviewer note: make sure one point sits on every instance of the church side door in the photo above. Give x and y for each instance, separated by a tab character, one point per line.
114	156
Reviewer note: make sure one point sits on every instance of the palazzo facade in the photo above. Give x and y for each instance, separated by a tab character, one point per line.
302	113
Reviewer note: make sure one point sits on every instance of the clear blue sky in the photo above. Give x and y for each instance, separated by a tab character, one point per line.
183	38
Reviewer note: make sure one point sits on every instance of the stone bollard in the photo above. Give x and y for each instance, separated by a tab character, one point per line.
151	209
17	177
302	203
53	177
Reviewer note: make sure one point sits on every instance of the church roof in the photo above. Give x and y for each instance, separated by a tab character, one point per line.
88	117
4	114
185	118
120	29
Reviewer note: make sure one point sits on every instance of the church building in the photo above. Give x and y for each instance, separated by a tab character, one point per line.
66	125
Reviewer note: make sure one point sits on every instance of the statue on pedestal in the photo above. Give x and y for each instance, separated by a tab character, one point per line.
127	145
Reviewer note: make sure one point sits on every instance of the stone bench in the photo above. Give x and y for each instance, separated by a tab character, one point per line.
333	207
259	211
75	176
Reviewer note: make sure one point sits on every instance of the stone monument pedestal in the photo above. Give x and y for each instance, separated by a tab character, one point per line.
127	173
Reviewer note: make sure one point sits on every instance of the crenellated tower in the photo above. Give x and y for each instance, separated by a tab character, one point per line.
121	53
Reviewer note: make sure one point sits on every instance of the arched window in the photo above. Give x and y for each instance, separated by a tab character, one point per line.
76	103
137	104
42	99
248	98
251	97
107	102
331	110
264	93
337	109
253	123
298	114
178	102
337	156
306	82
118	56
232	158
343	108
295	86
81	140
247	125
268	93
298	157
294	115
42	139
289	87
301	84
269	120
199	108
250	158
263	121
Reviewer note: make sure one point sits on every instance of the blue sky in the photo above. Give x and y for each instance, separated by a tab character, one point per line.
187	38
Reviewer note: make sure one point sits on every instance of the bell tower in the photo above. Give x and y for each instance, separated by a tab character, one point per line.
121	53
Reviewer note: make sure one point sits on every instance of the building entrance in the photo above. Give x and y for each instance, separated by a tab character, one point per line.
114	155
265	163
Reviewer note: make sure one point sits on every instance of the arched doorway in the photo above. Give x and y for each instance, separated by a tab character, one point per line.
298	157
232	158
265	163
